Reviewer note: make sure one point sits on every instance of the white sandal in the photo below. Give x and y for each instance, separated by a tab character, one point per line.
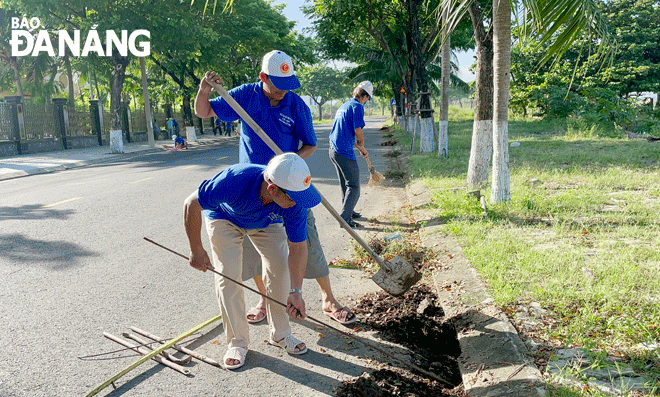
235	353
289	344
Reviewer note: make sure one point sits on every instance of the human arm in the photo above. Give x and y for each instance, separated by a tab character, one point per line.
306	150
192	220
202	105
297	266
359	142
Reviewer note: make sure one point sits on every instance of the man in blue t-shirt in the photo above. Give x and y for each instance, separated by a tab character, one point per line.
347	134
268	204
287	120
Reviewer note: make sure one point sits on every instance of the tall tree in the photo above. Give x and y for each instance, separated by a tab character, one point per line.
558	23
443	123
382	38
501	190
482	127
321	84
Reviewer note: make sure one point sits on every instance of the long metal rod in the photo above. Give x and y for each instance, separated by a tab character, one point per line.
182	349
152	354
262	134
176	360
144	351
354	337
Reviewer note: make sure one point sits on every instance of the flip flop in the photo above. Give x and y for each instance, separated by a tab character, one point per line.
289	344
258	315
338	315
235	353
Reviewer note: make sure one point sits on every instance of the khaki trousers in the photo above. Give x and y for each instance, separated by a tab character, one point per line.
272	244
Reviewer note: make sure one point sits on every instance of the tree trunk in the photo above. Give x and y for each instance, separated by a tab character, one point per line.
69	77
443	123
501	188
118	77
187	112
17	76
482	130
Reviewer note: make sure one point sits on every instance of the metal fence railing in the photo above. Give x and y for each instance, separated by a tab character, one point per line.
39	119
80	123
5	122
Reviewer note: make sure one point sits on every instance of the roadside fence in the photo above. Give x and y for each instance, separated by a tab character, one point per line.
30	127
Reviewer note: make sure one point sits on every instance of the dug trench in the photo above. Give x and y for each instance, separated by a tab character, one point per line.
413	321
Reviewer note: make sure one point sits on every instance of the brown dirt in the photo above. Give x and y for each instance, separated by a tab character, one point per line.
414	322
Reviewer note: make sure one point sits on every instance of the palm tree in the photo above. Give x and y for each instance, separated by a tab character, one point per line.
481	149
501	189
555	22
443	123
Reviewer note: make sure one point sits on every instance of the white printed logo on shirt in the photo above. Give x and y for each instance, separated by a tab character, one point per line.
274	217
286	120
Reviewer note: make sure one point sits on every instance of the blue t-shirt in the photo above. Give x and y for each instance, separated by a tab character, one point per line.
349	116
179	140
233	195
288	124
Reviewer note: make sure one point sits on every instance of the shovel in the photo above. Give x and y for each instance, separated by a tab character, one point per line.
395	277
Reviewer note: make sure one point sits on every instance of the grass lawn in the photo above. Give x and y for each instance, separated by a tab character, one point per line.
580	236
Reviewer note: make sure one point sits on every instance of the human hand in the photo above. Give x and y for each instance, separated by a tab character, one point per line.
200	260
364	153
205	83
295	306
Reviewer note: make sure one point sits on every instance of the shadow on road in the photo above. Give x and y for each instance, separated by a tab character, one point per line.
33	212
56	255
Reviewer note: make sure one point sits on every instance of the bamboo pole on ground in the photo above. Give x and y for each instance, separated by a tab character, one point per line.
152	354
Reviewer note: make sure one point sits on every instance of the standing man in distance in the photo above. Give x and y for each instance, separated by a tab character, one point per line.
346	135
287	120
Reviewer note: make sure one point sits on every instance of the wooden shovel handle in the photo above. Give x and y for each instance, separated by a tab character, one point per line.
262	134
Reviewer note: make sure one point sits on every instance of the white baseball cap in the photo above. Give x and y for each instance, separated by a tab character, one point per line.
368	87
279	68
290	172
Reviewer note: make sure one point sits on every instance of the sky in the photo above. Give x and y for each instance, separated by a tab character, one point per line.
293	13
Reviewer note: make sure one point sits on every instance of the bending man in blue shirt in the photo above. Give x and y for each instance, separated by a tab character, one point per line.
268	205
287	120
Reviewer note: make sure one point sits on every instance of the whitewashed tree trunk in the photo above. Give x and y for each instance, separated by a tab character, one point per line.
501	188
481	150
191	135
480	154
116	141
443	138
443	123
426	136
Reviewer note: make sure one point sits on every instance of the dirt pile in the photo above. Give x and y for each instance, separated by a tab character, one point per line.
414	322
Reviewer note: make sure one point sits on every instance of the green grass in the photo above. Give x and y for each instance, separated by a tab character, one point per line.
581	234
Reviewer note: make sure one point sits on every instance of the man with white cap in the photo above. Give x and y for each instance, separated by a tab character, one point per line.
287	120
268	205
347	134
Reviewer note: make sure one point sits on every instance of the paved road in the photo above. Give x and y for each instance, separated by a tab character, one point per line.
73	264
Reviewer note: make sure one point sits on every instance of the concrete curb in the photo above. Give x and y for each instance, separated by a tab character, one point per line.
494	361
60	163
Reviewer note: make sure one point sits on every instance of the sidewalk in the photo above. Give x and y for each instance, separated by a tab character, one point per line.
40	163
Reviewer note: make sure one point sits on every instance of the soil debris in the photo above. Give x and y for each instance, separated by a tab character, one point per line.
415	322
385	383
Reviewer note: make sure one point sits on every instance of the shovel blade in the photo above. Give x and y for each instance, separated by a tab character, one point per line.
398	279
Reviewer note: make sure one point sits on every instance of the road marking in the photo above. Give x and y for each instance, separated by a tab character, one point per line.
61	202
222	158
142	180
190	166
